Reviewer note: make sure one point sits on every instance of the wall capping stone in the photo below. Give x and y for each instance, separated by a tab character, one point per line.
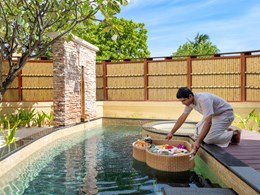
85	43
77	40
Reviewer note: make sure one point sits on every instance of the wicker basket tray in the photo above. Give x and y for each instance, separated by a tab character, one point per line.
139	153
165	162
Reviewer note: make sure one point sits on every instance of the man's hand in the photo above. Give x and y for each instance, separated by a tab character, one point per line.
169	136
195	147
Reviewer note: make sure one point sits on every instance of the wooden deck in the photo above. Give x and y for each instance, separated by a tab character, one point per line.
248	151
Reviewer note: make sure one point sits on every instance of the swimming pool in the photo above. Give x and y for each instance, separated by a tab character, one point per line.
95	162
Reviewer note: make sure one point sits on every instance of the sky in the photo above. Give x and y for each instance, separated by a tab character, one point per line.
232	25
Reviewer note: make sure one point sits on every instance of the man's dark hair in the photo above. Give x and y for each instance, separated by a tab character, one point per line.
184	92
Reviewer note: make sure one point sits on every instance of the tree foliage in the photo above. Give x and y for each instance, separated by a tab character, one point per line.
131	42
26	24
200	46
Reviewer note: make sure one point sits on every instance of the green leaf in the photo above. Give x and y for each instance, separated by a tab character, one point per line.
200	46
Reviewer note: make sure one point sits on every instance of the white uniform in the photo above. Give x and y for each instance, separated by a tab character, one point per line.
222	117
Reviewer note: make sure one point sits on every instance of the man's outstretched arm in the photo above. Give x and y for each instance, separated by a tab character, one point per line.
177	125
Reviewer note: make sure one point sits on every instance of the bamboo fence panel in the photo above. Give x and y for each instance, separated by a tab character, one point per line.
12	92
38	67
252	78
100	94
127	94
99	88
162	94
37	81
125	81
164	78
124	68
218	76
99	82
167	81
37	94
168	67
14	84
99	69
11	95
5	67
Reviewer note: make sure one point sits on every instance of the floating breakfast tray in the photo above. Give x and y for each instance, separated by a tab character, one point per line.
139	150
158	161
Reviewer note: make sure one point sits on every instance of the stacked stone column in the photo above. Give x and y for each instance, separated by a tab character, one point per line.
68	60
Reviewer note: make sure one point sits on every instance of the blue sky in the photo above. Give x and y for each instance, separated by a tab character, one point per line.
232	25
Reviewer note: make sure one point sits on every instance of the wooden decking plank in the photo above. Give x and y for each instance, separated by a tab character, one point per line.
248	157
245	157
252	161
243	153
248	151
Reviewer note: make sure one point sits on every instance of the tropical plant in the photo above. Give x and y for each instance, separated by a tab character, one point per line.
200	46
49	118
3	123
9	137
244	122
39	118
257	120
30	28
13	119
26	117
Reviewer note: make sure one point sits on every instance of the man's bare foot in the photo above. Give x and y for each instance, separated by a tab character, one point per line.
236	137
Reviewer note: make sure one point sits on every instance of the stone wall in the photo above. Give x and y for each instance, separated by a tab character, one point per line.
68	60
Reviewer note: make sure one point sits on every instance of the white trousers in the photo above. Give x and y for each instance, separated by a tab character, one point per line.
218	133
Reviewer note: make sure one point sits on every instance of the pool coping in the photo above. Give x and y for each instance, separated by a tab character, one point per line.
233	164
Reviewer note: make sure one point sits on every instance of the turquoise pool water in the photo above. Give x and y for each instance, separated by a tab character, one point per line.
96	162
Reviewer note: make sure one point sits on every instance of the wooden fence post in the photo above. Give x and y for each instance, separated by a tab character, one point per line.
20	86
105	79
243	75
146	97
189	71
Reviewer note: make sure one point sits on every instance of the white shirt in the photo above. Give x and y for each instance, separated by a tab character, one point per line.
208	104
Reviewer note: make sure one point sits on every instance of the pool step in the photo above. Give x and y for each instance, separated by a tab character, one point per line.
200	191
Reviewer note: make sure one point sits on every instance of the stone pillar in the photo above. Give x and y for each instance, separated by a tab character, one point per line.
68	60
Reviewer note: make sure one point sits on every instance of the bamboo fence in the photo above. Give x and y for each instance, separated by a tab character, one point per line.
33	83
232	76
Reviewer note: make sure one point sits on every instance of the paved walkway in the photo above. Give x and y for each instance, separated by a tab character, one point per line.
23	132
